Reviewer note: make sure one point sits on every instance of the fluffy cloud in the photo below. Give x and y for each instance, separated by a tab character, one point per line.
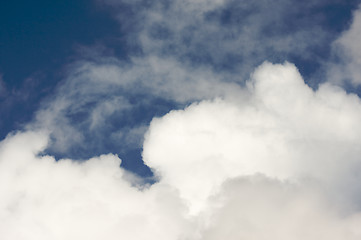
277	161
282	129
46	199
261	208
266	158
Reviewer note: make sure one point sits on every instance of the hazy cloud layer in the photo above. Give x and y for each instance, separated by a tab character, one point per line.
227	35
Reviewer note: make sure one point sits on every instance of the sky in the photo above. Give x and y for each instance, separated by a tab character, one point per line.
180	119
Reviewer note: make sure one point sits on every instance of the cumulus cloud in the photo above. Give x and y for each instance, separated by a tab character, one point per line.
280	160
46	199
261	208
283	129
265	158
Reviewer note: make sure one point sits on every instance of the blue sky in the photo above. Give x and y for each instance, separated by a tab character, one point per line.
40	42
192	99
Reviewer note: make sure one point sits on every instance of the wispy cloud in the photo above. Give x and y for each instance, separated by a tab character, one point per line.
3	89
347	53
235	35
239	148
187	51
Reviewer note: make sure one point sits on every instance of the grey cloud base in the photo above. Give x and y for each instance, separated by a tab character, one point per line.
278	160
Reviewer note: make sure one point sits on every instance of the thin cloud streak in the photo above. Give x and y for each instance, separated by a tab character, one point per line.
347	54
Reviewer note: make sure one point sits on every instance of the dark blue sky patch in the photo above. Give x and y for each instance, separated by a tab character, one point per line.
40	36
36	40
17	105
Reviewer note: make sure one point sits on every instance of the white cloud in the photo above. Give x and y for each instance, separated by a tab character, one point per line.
277	161
261	208
284	130
272	160
45	199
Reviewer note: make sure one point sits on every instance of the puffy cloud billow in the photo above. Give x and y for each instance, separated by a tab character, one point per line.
278	161
264	158
281	128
